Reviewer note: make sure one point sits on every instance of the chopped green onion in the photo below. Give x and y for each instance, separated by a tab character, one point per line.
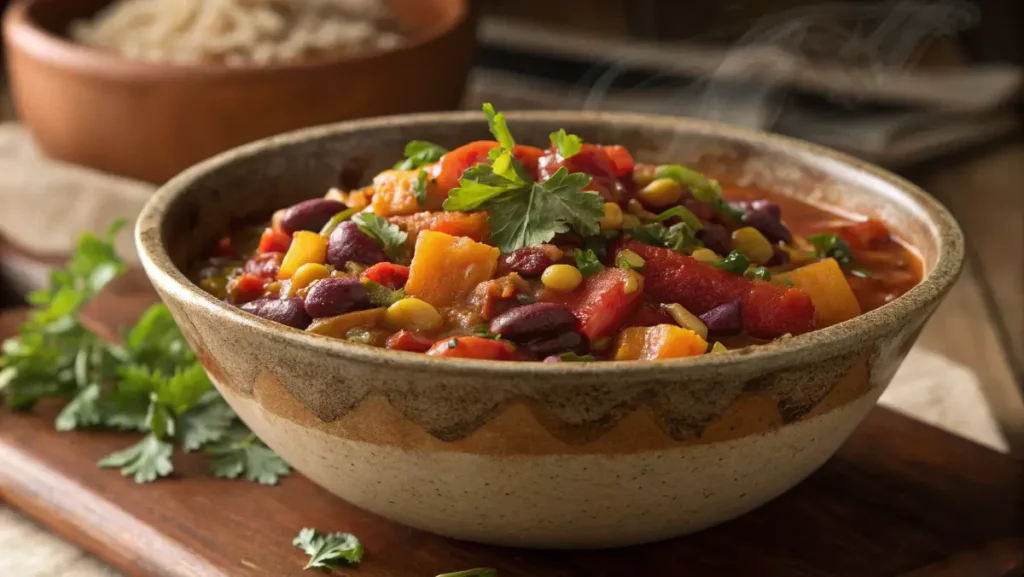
734	263
587	262
831	245
683	214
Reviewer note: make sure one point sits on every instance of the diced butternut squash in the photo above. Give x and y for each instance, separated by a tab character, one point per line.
340	325
394	194
445	268
824	281
468	224
658	342
306	247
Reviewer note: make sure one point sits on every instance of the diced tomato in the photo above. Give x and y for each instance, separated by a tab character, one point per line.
264	264
273	240
648	314
393	276
591	159
769	310
224	247
451	166
473	348
621	159
601	302
247	287
409	341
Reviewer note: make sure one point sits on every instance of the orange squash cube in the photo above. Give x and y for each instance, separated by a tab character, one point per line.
658	342
445	269
830	292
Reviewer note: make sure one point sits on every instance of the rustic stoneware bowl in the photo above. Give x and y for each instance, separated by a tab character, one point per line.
151	121
573	455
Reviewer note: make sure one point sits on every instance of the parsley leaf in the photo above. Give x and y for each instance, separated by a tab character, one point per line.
535	214
831	245
146	460
678	237
207	422
387	234
242	453
587	262
480	184
478	572
329	551
81	411
420	153
498	127
568	145
420	187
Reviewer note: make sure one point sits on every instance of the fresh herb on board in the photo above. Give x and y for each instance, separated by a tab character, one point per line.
150	383
523	212
419	153
387	234
831	245
329	551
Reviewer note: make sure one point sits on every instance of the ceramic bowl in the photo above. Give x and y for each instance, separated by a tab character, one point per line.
571	455
151	121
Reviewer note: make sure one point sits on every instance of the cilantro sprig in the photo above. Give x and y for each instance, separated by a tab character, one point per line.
831	245
151	382
329	551
568	145
420	153
524	212
387	234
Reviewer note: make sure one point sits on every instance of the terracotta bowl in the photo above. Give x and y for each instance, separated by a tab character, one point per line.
572	455
151	121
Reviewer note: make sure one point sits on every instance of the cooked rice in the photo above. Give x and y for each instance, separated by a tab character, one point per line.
236	32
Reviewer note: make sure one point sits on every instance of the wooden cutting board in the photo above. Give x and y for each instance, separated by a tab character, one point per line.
899	499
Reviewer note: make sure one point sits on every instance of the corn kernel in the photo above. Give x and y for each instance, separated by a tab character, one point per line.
628	259
643	174
661	193
749	241
718	347
561	278
636	209
706	256
612	217
687	320
634	282
307	273
412	314
629	221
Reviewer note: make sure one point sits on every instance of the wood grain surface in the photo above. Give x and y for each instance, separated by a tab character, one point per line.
900	498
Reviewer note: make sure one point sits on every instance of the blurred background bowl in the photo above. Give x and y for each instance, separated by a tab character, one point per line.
150	121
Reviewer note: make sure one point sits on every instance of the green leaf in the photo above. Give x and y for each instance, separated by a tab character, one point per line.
678	237
386	234
329	551
184	389
534	215
568	145
478	185
478	572
682	213
734	263
704	189
146	460
380	295
205	423
498	127
758	272
420	187
587	262
236	455
81	411
420	153
831	245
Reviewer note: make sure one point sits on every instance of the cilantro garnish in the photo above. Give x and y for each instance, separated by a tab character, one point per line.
568	145
523	212
329	551
678	237
587	262
478	572
420	187
734	263
150	383
420	153
831	245
242	453
682	213
387	234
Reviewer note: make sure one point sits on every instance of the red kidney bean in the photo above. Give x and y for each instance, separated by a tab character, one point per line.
716	237
529	261
764	219
348	243
768	206
285	311
531	320
335	296
310	214
724	319
559	343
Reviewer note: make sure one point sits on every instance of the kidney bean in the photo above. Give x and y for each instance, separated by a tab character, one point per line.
335	296
531	320
764	219
264	264
559	343
716	237
348	243
768	206
724	319
285	311
310	214
779	256
529	261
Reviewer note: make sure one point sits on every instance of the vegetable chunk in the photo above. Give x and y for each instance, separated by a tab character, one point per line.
445	269
658	342
829	290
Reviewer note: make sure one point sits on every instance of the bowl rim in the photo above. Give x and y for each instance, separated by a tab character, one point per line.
818	345
24	34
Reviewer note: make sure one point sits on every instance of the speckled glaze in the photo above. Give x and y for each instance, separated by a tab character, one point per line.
573	455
